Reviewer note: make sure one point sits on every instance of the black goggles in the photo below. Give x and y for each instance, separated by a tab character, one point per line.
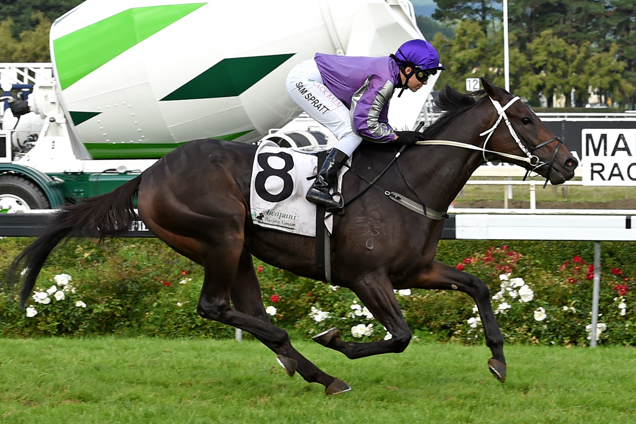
423	74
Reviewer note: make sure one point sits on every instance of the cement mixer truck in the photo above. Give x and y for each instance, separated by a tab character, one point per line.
131	80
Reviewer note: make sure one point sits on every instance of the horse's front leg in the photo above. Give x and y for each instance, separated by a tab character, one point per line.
438	276
376	293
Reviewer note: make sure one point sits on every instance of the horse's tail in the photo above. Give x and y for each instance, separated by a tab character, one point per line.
101	216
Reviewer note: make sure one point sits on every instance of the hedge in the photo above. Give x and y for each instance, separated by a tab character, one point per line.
542	294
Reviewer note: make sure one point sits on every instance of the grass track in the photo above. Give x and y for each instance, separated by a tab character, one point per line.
110	380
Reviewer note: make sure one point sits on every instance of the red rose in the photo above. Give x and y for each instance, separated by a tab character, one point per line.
621	289
274	298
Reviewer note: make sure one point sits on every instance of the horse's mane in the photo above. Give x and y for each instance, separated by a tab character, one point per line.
452	103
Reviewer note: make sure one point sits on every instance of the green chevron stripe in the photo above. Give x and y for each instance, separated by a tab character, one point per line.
228	78
81	52
141	150
79	117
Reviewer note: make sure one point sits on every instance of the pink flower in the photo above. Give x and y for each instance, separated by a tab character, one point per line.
460	267
259	269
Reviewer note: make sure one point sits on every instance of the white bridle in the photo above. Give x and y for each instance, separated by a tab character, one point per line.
531	159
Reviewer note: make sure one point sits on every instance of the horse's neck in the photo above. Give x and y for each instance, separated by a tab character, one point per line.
438	173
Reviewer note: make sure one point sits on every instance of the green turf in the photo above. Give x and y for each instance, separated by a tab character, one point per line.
111	380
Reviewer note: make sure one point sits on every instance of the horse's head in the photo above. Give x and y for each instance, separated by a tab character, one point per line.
519	132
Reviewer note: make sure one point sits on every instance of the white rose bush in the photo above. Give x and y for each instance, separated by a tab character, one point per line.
550	308
54	309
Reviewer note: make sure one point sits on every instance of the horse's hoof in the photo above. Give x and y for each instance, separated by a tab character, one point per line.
326	337
498	369
336	387
290	365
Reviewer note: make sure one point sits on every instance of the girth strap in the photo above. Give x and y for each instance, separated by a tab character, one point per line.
416	207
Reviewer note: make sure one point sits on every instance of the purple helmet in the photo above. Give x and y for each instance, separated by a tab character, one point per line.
418	53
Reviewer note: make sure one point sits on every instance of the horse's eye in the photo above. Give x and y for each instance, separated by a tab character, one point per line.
526	121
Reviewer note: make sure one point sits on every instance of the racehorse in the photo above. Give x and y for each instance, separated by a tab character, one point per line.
197	200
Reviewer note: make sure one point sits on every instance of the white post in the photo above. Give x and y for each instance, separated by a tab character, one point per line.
596	292
509	189
238	334
533	196
506	52
505	197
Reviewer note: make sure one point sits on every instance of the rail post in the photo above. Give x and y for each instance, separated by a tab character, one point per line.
596	292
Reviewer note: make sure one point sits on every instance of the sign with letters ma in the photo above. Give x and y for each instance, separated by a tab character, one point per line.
608	156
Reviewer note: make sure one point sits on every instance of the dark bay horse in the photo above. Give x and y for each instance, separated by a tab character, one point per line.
196	199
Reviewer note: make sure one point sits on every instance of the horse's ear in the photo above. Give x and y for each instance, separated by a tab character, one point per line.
490	89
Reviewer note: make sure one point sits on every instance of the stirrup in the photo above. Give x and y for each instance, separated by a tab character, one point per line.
336	209
325	199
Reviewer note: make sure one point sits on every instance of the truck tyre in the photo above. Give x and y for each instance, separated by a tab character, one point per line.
19	194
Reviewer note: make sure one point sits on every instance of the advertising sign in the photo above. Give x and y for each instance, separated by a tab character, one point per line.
608	157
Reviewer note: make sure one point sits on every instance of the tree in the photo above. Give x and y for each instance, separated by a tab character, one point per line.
22	12
8	43
470	55
550	57
481	11
518	64
579	78
430	27
605	73
33	47
584	21
527	18
622	21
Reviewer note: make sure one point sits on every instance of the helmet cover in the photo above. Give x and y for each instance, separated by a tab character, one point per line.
418	53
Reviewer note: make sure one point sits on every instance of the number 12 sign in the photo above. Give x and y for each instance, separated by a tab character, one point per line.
472	84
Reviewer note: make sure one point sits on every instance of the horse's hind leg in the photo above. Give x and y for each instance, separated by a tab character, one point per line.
222	279
438	276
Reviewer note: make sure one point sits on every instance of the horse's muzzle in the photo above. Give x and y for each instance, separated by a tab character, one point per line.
563	171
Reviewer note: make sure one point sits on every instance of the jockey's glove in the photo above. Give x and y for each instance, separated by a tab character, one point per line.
408	138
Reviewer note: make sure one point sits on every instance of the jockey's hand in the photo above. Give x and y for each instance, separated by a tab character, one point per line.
408	138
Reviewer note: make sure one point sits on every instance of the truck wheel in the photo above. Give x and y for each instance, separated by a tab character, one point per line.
19	194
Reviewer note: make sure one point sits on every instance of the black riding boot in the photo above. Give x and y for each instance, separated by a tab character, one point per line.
326	180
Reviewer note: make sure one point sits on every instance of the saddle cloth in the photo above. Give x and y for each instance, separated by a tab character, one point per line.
278	187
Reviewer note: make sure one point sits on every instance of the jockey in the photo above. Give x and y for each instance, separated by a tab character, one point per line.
350	96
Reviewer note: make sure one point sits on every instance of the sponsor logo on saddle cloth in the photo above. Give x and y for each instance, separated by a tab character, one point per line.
278	188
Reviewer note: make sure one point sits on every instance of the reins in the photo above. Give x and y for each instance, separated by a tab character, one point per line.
529	158
372	182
